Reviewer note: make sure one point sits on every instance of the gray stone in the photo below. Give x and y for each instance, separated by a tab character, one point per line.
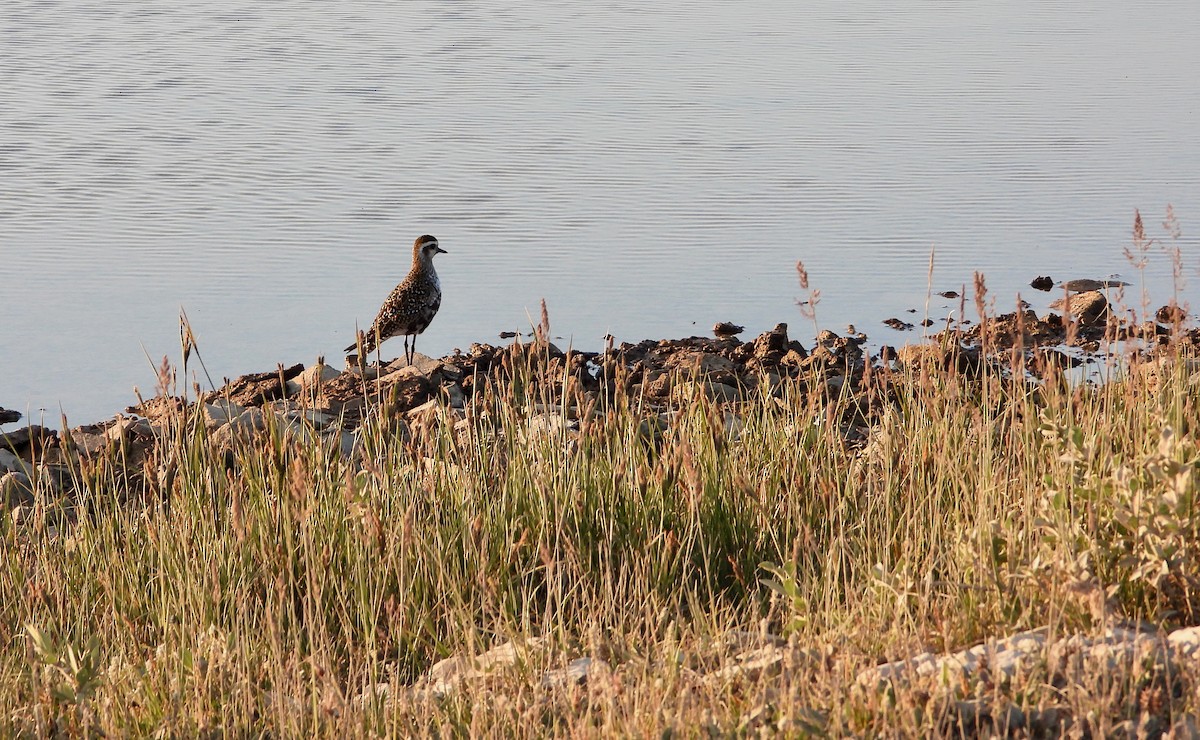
455	396
346	443
250	420
9	461
88	442
1086	285
16	490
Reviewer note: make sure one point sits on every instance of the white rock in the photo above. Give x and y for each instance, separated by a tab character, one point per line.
250	420
221	411
125	426
1185	642
312	378
446	676
578	671
751	665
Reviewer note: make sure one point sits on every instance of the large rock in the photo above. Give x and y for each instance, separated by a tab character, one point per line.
256	389
704	365
1089	308
311	379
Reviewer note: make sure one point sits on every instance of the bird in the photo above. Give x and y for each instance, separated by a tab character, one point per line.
411	305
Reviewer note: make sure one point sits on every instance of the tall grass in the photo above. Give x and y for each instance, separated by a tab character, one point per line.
266	587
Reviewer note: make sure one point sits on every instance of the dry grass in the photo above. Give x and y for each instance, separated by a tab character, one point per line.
264	592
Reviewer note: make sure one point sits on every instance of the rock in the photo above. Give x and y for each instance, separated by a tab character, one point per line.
1090	307
1085	285
407	387
455	396
553	427
1042	282
87	440
346	443
249	421
311	379
949	294
685	393
33	436
8	416
10	462
578	671
703	365
727	329
256	389
897	324
220	412
1002	656
124	427
1170	314
16	490
1185	643
770	346
751	665
423	363
446	676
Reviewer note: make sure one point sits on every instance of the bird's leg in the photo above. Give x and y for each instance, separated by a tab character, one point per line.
413	356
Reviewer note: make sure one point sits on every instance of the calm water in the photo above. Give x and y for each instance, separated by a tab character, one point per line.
648	169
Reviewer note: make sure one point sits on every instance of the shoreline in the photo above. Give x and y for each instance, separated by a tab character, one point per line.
764	534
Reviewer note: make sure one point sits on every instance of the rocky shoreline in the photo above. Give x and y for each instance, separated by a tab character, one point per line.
44	472
320	402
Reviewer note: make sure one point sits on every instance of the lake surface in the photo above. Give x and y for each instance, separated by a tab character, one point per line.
646	168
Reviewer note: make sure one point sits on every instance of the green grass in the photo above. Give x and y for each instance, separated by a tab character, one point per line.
195	597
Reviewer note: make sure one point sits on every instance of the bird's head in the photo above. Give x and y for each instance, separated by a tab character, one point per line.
425	247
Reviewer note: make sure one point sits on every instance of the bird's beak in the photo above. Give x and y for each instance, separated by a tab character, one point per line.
440	250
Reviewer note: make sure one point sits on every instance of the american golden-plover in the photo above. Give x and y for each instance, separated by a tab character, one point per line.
410	306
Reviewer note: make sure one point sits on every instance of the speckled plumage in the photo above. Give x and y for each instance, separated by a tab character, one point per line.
411	305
